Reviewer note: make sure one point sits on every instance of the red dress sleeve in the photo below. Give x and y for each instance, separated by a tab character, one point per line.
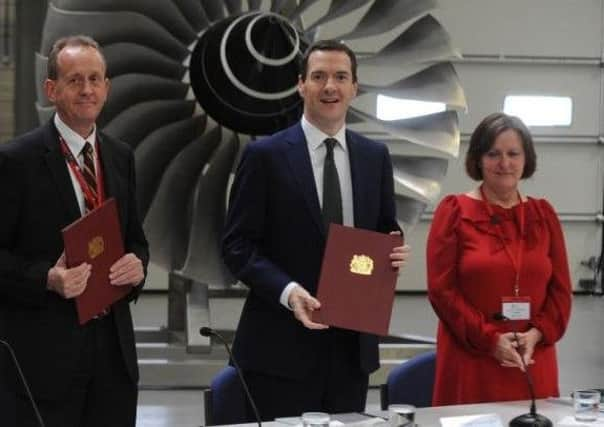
461	319
553	318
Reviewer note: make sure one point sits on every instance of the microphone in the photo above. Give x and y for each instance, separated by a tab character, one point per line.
532	419
208	332
494	220
24	382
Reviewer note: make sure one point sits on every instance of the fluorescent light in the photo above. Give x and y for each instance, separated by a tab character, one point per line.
540	110
389	108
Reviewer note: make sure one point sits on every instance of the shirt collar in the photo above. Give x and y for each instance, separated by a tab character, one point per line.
73	140
315	136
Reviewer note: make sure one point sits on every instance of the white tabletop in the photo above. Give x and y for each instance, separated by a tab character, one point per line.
555	409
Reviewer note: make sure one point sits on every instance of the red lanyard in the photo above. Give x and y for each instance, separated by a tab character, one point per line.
516	261
93	201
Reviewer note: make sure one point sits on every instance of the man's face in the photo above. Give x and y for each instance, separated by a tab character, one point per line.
81	88
327	90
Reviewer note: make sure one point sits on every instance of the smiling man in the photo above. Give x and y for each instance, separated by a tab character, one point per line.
288	188
80	375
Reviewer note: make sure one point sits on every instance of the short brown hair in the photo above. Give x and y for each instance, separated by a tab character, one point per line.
484	137
329	45
52	68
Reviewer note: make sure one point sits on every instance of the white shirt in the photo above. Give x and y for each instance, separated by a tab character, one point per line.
75	143
317	151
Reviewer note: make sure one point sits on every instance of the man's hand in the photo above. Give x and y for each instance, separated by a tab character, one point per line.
128	270
303	304
506	351
68	282
399	254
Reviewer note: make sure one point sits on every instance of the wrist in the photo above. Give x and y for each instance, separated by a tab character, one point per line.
51	278
536	334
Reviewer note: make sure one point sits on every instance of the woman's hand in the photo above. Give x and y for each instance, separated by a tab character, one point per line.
527	342
506	351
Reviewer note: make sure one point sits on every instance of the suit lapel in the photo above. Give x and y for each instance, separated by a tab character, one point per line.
58	169
359	181
111	177
299	162
110	186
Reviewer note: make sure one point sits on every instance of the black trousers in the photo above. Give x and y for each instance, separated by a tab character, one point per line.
336	385
101	393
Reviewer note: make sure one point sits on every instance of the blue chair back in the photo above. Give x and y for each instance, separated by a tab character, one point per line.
225	401
412	381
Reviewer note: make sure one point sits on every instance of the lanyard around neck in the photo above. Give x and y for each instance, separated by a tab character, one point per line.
516	261
94	201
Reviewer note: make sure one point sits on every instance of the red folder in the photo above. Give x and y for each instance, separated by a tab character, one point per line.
357	282
96	238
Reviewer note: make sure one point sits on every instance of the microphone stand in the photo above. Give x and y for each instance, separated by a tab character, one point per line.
532	419
24	382
206	332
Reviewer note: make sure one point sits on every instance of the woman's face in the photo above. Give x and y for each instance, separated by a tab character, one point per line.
502	166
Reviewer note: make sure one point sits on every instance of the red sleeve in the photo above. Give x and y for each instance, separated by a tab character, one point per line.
462	320
553	317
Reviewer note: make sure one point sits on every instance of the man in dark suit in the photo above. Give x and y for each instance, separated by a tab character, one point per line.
80	375
287	190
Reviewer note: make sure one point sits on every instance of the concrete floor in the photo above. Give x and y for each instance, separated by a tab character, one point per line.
580	353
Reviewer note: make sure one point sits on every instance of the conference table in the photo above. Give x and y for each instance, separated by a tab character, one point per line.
554	408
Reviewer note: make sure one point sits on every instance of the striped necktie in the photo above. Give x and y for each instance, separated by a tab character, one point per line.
89	173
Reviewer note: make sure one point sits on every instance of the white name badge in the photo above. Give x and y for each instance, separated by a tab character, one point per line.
516	308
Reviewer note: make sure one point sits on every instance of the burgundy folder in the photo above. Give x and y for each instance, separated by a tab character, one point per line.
96	238
356	286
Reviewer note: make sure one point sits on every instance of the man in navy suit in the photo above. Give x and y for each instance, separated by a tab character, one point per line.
275	237
80	375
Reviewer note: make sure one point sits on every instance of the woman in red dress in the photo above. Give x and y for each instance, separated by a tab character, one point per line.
497	264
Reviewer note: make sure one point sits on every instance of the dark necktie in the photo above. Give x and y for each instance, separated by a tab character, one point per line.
332	196
89	173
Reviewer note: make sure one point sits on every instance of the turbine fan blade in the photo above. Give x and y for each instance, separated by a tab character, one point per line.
386	15
148	116
44	113
408	210
60	23
420	176
439	131
124	58
438	83
421	166
204	263
40	64
214	9
194	13
423	42
234	7
303	5
284	7
337	9
129	89
156	151
254	4
165	13
168	221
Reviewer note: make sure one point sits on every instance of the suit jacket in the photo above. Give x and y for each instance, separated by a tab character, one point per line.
38	200
274	235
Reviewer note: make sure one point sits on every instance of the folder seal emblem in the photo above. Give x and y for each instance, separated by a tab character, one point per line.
361	264
96	246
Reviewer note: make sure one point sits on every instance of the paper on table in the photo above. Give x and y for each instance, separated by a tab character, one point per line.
347	420
480	420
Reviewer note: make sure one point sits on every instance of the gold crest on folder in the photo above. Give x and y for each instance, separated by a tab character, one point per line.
361	264
96	246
